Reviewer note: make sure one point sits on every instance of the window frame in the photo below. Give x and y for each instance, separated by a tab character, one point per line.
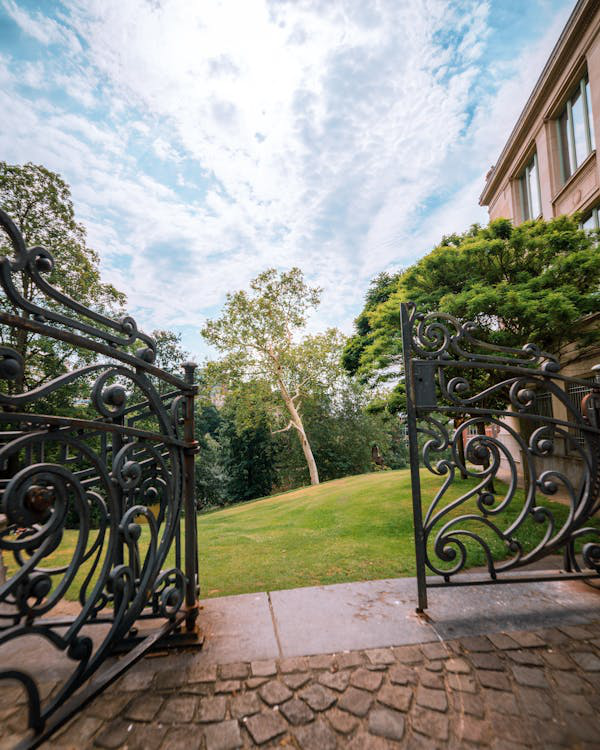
594	214
524	181
574	163
575	393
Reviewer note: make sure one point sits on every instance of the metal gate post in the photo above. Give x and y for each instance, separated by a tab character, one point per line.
413	446
189	503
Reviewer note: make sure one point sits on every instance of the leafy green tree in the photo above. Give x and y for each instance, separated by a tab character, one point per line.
256	333
170	355
379	291
211	478
248	461
39	202
343	434
531	283
236	460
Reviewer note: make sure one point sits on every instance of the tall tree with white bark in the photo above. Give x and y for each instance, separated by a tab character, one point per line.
258	336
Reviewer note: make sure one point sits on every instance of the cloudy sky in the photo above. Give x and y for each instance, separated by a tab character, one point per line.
206	141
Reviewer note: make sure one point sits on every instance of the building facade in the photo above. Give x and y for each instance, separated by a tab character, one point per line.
549	167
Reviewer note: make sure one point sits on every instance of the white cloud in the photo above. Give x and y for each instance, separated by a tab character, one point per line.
40	27
32	75
314	134
164	150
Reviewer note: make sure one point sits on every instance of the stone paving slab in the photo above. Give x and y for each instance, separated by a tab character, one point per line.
512	690
351	616
348	616
460	611
353	665
238	627
382	613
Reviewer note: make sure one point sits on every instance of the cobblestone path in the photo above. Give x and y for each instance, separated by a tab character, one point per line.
505	691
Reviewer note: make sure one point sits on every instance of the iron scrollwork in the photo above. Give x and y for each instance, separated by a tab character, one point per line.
482	424
93	504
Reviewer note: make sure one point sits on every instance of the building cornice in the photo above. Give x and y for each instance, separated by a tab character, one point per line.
571	35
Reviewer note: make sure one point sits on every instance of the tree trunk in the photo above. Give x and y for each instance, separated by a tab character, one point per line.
525	431
486	464
460	447
297	422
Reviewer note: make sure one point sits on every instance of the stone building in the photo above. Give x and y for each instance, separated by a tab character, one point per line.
549	167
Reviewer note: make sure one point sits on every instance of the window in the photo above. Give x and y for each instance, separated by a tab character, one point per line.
529	191
591	222
575	393
541	407
575	130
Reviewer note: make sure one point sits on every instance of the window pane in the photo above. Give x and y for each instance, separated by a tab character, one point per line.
525	213
590	117
536	205
564	144
579	128
588	224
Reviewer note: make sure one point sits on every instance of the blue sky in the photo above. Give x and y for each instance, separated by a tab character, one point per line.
205	142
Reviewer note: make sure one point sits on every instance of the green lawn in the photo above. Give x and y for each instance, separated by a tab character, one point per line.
352	529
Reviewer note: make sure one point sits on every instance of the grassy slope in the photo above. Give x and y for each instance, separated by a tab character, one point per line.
357	528
351	529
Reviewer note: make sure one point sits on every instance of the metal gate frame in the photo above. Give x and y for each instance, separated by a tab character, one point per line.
126	465
442	358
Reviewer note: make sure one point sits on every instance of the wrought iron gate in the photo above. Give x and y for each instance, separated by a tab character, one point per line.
93	504
478	418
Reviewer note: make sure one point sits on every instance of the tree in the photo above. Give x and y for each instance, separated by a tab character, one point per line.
531	283
170	355
211	479
256	334
379	291
39	202
248	460
253	458
343	434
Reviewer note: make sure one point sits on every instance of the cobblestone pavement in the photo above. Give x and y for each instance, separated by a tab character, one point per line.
534	689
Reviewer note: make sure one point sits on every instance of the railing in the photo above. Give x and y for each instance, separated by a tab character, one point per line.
93	502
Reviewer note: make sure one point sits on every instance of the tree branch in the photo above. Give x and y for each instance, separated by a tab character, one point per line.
289	426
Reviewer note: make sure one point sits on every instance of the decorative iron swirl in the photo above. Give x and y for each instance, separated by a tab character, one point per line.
488	517
438	335
93	504
39	261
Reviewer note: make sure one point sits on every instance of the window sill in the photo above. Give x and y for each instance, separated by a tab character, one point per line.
564	188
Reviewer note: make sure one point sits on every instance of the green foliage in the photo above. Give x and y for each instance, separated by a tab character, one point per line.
39	202
249	462
342	432
256	334
256	330
237	453
531	283
170	356
251	459
211	479
379	291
